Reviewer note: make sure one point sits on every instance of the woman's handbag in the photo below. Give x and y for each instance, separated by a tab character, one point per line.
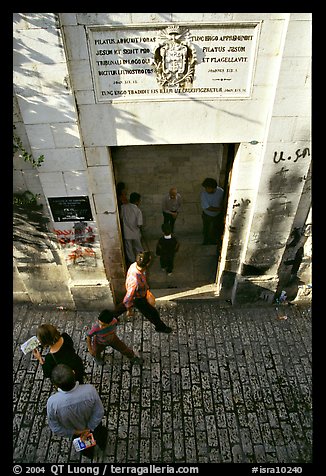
150	298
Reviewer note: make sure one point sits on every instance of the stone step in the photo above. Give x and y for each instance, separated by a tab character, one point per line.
194	266
208	291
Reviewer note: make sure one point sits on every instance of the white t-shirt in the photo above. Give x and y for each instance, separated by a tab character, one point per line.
132	219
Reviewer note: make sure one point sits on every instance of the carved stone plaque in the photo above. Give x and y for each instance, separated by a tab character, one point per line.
173	62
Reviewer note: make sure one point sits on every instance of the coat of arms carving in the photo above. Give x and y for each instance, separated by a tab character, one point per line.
175	58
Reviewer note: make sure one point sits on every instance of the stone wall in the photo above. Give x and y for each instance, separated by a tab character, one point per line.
46	119
85	141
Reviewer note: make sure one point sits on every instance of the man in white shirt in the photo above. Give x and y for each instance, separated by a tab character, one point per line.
132	221
171	205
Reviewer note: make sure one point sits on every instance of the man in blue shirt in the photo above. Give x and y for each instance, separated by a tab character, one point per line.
212	204
75	410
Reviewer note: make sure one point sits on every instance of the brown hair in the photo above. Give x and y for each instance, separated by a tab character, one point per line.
47	334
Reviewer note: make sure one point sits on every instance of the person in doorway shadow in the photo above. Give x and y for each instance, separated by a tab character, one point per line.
171	204
166	248
211	200
132	221
122	197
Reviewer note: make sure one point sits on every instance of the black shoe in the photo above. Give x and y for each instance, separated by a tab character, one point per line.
101	435
165	329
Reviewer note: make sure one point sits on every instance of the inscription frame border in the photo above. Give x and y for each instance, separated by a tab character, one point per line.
156	26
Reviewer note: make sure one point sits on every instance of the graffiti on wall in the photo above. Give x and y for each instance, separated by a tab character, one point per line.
78	242
277	184
270	240
239	210
83	256
278	157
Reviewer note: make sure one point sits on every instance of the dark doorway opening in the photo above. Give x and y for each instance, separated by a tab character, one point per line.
152	171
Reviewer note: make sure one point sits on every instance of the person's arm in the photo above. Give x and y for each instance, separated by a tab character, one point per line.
47	364
130	312
82	434
89	345
214	209
128	300
179	203
165	206
158	248
98	411
221	206
38	356
57	429
206	206
139	221
54	422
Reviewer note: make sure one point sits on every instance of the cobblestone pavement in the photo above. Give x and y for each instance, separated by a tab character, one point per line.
229	385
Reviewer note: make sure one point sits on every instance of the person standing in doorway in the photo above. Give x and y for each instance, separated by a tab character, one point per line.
136	291
166	248
211	200
171	204
121	194
132	221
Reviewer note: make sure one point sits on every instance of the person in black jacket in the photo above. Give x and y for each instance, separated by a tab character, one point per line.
166	248
61	351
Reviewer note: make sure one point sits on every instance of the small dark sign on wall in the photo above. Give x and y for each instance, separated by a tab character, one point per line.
70	208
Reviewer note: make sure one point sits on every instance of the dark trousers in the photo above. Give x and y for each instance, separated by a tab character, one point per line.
148	311
168	218
100	436
166	262
211	229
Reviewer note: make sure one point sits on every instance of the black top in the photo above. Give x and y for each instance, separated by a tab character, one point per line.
167	247
65	355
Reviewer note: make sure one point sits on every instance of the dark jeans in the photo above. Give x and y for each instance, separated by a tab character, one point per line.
168	218
166	262
148	311
100	436
211	229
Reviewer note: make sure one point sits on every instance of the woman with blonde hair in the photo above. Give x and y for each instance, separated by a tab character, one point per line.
61	351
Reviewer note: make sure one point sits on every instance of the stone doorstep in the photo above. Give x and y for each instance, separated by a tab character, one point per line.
208	291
